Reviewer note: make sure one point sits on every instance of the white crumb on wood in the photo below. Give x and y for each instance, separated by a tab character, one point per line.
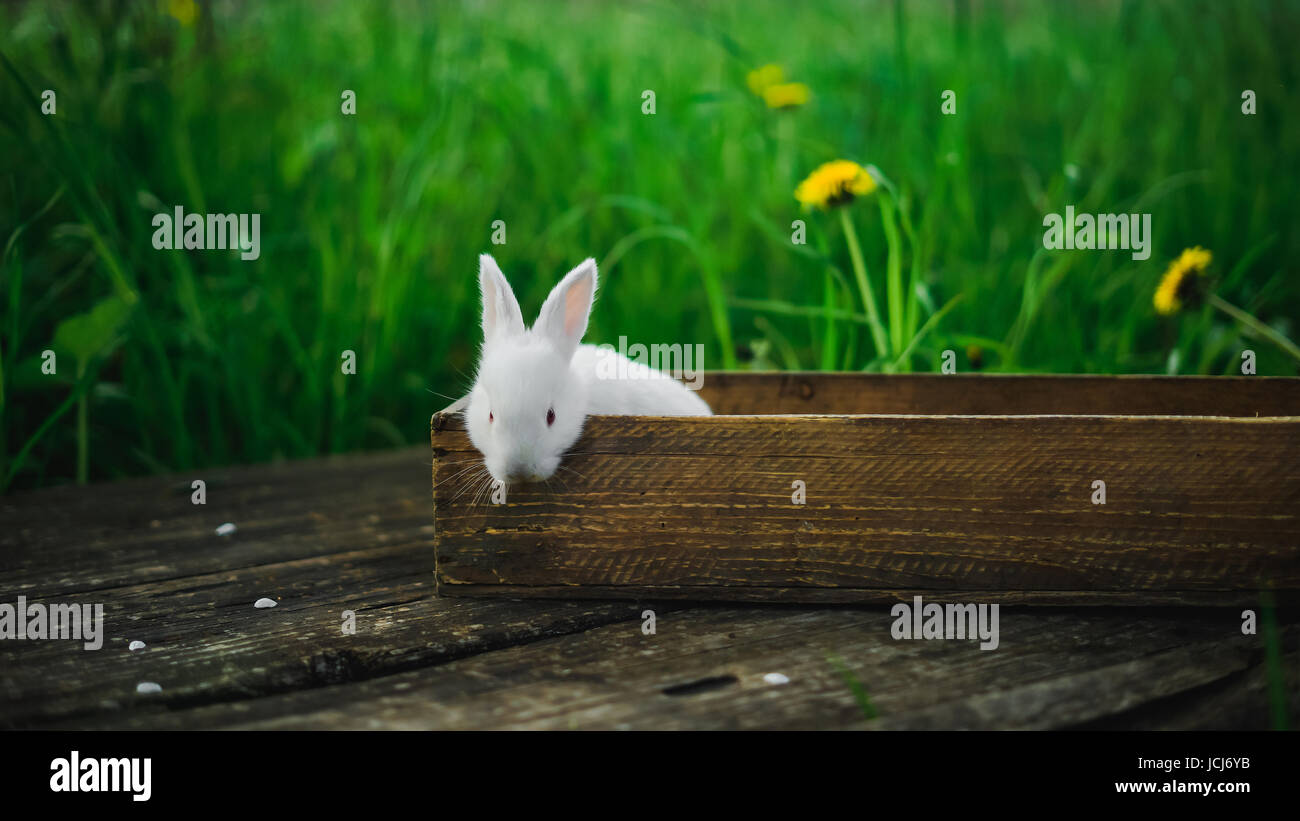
146	687
226	529
135	645
265	602
776	678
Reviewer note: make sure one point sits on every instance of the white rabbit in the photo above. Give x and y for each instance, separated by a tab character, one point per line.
535	387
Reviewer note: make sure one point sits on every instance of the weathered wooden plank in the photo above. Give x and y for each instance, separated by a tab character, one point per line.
1193	504
861	595
1085	696
705	668
206	642
1235	702
70	539
999	394
319	537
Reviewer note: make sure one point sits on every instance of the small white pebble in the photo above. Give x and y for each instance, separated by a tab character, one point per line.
264	602
146	687
226	529
135	645
776	678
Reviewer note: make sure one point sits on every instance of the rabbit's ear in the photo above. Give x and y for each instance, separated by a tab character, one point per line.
563	319
501	313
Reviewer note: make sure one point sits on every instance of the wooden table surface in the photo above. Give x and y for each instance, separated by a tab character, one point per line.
355	534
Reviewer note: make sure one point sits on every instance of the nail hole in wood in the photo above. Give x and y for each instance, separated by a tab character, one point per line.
703	685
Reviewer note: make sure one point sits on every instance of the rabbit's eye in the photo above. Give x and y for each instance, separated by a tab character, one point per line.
489	416
550	417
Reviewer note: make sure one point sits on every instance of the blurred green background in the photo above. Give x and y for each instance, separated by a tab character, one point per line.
532	113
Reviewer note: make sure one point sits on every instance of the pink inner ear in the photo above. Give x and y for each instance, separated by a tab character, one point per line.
575	306
496	307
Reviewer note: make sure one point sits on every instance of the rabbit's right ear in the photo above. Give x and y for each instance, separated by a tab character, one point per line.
501	315
564	315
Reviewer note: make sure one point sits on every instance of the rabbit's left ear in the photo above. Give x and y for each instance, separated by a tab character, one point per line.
501	315
563	318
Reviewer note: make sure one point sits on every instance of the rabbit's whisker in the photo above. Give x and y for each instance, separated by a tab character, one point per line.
470	484
474	458
574	472
489	486
479	483
460	472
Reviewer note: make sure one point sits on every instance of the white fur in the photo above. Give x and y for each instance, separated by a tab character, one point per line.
523	373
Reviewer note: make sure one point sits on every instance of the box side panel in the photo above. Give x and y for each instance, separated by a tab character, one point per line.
999	394
889	504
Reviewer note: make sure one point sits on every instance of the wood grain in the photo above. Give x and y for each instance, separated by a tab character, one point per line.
1000	394
786	392
866	595
319	537
705	668
997	504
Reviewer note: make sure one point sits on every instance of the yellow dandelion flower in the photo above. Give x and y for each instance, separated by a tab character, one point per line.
768	75
835	183
786	95
1183	282
183	10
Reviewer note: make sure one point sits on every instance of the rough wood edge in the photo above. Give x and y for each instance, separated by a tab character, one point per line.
1081	377
440	419
451	422
782	381
875	596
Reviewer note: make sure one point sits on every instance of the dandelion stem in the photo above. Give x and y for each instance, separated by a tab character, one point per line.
1255	325
893	274
860	272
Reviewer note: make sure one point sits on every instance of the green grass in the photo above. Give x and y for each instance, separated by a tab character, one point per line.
531	113
860	695
1274	672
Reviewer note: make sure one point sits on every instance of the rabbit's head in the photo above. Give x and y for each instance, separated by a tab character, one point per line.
528	405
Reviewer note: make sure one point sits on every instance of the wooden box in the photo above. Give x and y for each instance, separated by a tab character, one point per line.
972	488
